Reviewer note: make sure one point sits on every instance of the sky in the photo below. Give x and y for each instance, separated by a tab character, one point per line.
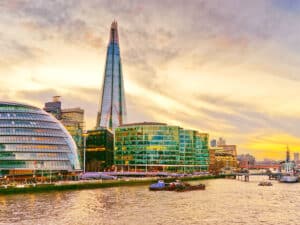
229	69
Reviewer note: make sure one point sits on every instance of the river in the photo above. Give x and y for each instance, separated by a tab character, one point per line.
223	202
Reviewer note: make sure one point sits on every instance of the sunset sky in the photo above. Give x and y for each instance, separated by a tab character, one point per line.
230	68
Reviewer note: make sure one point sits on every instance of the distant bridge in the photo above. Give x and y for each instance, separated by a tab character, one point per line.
246	176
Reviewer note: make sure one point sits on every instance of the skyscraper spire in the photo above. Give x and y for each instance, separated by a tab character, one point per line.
114	37
112	110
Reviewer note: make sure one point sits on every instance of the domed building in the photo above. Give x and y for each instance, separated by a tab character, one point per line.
34	142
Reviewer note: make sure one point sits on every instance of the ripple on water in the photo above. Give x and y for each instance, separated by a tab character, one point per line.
224	202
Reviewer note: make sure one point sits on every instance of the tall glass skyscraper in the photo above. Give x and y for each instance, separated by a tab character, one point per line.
112	108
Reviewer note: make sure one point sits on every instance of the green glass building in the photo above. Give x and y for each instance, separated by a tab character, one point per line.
99	150
160	147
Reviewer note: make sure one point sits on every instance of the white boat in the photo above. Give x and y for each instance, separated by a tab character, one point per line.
289	170
289	178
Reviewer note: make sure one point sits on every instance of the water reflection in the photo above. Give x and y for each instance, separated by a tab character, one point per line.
224	202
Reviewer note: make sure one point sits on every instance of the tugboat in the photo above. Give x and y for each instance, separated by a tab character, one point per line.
175	186
159	186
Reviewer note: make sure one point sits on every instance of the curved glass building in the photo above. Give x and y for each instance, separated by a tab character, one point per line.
32	140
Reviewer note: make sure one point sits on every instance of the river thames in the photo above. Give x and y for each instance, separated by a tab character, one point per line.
223	202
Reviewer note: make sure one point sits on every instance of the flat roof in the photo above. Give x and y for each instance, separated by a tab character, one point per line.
143	123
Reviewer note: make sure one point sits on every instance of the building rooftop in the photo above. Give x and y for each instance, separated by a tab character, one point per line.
77	109
19	104
143	123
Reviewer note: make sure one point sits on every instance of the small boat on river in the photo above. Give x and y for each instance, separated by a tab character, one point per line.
265	183
175	186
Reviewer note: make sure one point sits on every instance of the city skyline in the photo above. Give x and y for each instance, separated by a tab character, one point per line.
229	71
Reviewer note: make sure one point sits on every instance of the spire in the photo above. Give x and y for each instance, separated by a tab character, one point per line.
114	37
287	154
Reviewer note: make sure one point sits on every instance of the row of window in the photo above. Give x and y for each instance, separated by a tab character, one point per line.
158	162
18	108
32	132
153	142
46	165
148	152
27	123
34	147
25	116
34	140
33	156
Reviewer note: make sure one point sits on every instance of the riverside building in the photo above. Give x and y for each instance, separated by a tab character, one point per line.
99	150
33	143
72	119
160	147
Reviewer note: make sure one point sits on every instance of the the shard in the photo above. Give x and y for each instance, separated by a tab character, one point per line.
112	110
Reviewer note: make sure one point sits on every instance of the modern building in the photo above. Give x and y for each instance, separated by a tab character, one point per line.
72	119
224	158
112	110
213	143
34	143
99	150
160	147
230	149
54	107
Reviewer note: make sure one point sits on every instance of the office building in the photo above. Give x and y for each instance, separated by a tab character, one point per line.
54	107
213	143
72	119
99	150
33	142
112	110
160	147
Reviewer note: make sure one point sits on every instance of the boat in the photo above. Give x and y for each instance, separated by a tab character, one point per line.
175	186
159	186
265	183
289	178
289	175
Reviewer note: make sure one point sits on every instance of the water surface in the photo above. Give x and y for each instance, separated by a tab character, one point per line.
223	202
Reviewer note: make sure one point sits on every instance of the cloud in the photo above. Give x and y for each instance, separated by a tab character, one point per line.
228	69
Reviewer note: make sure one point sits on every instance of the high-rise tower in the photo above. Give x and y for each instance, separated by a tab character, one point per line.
112	110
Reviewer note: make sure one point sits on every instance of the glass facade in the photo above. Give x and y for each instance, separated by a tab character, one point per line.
73	121
160	147
71	118
112	108
31	139
99	150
